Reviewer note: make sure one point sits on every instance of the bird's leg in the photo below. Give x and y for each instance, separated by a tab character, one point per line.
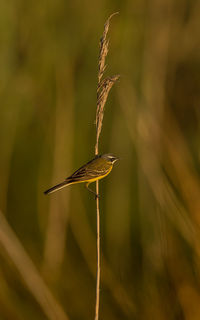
96	195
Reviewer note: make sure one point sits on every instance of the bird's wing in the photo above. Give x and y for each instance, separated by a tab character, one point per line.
85	174
89	171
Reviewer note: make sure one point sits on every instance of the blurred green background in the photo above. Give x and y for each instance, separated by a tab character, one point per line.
150	203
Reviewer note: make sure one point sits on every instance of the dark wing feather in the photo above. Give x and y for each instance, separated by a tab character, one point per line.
90	170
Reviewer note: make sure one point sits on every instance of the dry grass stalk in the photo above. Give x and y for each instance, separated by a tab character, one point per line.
29	273
104	85
104	48
102	94
103	89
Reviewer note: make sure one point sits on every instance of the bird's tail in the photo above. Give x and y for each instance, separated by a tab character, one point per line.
57	187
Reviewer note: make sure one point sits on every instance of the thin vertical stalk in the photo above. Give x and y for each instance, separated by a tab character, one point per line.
103	88
98	256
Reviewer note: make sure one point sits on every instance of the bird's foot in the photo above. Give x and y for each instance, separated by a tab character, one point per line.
97	196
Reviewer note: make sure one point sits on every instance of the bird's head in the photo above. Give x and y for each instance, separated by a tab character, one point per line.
110	157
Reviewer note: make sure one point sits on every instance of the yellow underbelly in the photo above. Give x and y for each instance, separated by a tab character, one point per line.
98	178
92	179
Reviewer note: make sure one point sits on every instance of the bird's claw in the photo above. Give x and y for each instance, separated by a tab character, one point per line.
97	196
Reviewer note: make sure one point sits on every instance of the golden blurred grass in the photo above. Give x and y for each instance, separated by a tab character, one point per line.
150	204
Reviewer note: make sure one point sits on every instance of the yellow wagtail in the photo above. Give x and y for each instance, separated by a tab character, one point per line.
96	169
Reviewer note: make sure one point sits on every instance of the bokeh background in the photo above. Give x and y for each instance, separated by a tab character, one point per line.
150	203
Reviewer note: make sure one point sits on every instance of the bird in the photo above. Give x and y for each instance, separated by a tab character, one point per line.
94	170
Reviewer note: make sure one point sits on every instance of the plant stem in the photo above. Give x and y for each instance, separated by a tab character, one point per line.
103	88
98	255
